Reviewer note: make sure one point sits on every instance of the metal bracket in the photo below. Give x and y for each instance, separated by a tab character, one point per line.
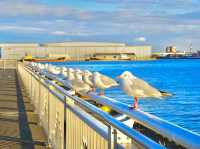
69	101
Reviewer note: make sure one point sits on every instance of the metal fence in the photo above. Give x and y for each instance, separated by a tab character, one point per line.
72	123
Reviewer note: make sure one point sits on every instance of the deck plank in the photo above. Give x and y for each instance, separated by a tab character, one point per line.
19	124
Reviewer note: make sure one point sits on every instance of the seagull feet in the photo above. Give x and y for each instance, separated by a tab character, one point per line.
101	93
132	107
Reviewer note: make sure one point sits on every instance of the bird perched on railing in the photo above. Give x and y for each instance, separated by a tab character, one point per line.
137	87
88	78
103	82
46	66
54	70
41	66
78	74
70	74
33	65
78	85
64	71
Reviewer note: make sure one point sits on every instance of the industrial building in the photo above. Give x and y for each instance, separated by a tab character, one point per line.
74	50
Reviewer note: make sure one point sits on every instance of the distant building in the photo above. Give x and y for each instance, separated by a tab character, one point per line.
171	49
74	50
113	56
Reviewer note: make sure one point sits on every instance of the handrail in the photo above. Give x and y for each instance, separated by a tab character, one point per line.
133	134
139	138
173	132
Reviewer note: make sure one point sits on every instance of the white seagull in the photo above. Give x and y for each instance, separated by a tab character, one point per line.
65	72
54	70
41	66
137	87
87	77
78	85
46	66
78	74
103	82
70	74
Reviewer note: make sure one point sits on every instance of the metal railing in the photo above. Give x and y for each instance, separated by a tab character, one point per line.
174	134
71	122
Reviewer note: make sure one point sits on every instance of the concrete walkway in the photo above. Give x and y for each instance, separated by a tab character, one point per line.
19	125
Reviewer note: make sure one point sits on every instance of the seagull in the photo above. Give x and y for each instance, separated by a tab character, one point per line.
88	77
78	85
70	74
65	72
103	82
41	66
78	74
54	70
136	87
64	69
46	66
33	65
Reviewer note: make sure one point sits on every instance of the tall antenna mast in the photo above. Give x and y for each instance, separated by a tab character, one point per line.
190	47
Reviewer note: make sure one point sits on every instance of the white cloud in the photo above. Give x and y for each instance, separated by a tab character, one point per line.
69	33
16	28
140	39
59	33
38	10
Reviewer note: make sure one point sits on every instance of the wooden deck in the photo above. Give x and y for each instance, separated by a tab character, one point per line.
19	125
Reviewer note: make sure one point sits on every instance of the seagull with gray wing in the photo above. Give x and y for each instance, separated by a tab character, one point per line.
88	78
103	82
54	70
137	87
78	85
70	74
64	71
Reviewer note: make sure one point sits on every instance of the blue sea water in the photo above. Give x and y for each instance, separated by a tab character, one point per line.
180	77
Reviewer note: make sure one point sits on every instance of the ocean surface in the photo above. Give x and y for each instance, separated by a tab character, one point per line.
180	77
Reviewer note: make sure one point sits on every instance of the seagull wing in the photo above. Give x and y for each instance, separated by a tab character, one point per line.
80	86
149	91
90	80
131	87
108	81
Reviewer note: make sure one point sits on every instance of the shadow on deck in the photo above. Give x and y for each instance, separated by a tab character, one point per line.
19	125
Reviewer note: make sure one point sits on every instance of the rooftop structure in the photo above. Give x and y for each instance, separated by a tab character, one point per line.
75	50
82	44
19	45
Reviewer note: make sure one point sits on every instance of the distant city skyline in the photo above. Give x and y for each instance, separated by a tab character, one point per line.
149	22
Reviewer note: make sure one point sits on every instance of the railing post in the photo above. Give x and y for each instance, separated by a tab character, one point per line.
4	65
112	140
65	123
48	115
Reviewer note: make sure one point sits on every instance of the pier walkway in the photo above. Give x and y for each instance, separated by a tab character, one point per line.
19	125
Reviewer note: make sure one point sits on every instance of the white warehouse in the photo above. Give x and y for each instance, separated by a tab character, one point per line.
76	50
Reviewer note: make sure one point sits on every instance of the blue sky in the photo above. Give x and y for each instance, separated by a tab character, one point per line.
137	22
